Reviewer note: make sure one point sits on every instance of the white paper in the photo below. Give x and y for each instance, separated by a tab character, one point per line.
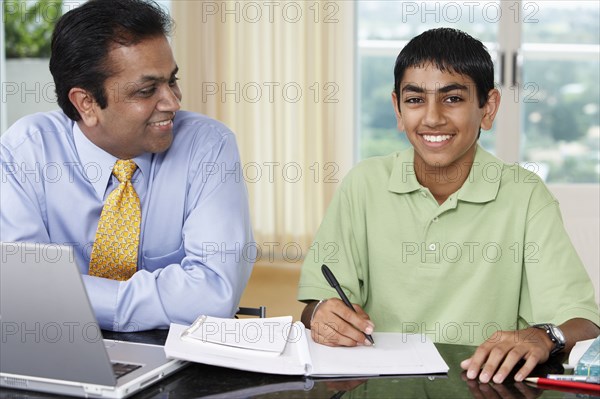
393	354
264	334
286	363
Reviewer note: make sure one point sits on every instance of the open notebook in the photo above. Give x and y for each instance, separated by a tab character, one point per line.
276	345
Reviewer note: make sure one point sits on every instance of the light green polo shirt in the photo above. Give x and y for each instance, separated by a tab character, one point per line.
494	256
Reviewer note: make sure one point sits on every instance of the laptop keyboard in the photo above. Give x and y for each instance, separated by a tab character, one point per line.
121	369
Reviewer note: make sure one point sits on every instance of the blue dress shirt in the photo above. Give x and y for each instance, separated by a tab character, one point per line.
196	246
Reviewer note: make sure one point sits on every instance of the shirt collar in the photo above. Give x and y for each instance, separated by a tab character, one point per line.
482	184
97	164
403	178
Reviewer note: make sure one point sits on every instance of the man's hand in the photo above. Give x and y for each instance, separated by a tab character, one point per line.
334	324
496	357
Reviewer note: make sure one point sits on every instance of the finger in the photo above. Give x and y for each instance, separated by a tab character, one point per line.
465	364
327	334
368	326
476	361
324	328
493	361
360	312
352	329
511	359
530	363
356	326
332	327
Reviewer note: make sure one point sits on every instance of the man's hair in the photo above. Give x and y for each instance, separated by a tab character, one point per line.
448	50
84	36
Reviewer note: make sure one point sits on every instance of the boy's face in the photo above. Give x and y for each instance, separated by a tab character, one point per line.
440	114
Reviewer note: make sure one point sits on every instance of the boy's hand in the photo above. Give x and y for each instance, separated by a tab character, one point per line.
334	324
496	357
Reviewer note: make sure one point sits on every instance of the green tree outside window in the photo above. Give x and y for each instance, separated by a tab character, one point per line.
28	27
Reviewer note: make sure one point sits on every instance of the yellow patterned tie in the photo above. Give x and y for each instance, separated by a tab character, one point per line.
116	246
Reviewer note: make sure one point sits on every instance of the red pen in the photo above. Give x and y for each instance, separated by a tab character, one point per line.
564	384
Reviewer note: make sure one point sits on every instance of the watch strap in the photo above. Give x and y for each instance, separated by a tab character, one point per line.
555	335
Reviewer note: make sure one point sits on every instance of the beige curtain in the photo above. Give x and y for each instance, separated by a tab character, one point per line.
280	74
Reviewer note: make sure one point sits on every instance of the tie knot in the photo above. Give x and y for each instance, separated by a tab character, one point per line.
124	170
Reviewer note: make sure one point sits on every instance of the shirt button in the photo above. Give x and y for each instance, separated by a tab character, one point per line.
435	219
432	247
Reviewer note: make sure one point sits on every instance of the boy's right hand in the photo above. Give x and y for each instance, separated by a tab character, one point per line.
334	324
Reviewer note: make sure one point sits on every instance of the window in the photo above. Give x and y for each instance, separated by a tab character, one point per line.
547	62
26	82
560	63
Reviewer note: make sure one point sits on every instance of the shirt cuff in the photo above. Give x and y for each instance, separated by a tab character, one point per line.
102	293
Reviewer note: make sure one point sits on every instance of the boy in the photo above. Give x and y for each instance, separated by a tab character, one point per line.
443	238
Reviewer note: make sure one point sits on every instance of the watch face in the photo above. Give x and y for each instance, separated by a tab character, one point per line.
558	334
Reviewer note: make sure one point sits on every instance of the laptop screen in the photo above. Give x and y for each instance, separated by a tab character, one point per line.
48	328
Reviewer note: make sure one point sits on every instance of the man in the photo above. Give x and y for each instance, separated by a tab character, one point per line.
443	238
179	248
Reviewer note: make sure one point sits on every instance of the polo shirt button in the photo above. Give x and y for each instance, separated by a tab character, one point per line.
432	247
435	219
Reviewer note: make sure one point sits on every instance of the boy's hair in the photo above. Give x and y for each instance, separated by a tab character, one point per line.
84	36
448	50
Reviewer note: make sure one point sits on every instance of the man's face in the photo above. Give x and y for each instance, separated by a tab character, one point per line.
440	114
143	97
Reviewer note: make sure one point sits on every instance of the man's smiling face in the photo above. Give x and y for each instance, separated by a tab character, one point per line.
143	97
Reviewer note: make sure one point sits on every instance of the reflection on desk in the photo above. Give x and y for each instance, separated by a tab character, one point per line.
203	381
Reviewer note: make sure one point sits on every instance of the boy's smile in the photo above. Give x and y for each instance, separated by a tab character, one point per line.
440	114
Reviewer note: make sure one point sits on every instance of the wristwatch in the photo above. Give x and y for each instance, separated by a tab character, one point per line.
555	334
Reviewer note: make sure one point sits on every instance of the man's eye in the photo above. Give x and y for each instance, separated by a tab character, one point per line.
173	81
413	100
147	91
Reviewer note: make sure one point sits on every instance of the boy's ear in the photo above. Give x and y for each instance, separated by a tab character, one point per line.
399	121
490	109
85	104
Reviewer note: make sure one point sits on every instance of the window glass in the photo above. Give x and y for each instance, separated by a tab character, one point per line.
560	21
560	99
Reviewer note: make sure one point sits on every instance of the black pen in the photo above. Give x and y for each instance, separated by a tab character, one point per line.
334	283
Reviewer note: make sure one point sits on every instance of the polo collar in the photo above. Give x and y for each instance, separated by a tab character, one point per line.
481	186
403	179
97	164
483	182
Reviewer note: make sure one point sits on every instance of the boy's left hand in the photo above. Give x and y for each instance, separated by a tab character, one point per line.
495	358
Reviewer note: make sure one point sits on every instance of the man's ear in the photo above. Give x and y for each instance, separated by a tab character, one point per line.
490	109
399	120
85	104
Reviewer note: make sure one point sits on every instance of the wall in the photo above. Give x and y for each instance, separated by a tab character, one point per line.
28	88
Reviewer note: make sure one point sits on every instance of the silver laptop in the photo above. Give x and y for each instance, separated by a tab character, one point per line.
50	340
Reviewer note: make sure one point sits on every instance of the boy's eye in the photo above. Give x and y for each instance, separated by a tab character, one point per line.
413	100
453	99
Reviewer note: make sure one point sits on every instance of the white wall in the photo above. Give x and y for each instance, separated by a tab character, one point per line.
581	215
27	88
